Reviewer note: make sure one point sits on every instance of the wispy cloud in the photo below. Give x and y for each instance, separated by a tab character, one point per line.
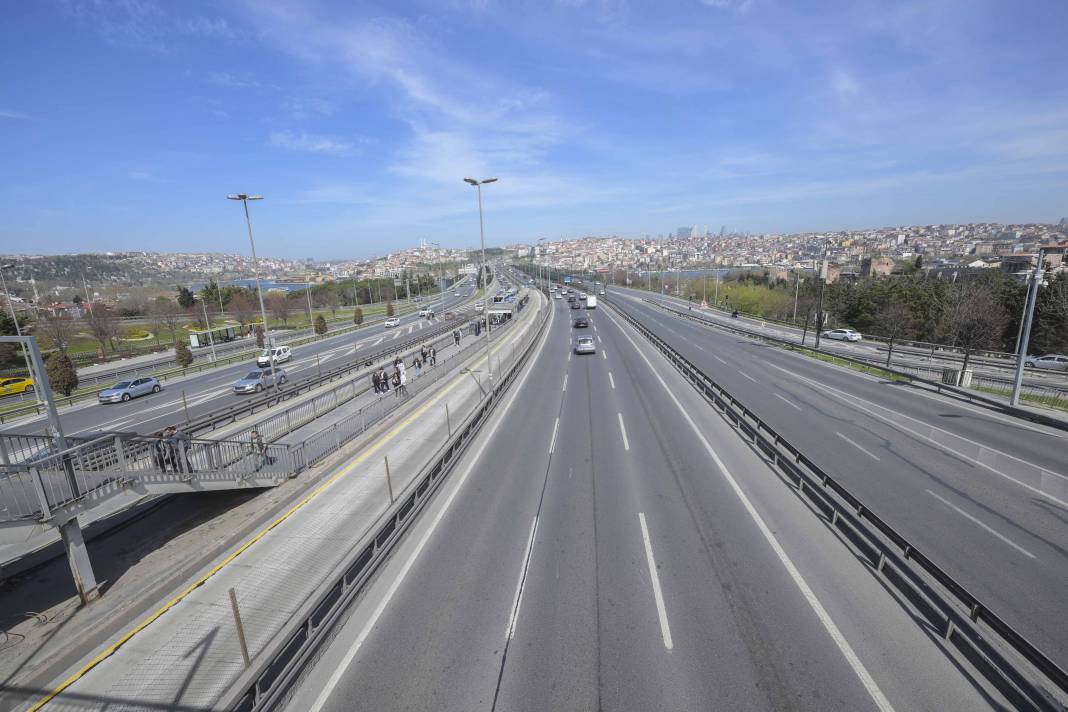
144	24
312	143
233	81
844	83
211	27
144	176
9	114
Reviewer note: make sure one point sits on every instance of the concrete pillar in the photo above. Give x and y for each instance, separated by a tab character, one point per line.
78	558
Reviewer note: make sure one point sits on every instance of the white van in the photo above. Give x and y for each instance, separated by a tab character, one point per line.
281	355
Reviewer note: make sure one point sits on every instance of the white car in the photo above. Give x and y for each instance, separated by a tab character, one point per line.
1051	362
391	322
281	355
585	345
842	335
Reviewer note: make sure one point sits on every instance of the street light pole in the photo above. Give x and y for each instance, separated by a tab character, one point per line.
18	331
485	281
1025	334
207	324
307	292
244	198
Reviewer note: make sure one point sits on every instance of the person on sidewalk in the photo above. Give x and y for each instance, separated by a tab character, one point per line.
376	382
456	336
417	364
258	448
433	356
179	442
384	379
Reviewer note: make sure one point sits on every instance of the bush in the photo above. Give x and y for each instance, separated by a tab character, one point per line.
62	375
134	333
182	355
357	316
320	325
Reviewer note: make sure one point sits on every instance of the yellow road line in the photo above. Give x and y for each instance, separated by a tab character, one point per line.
363	455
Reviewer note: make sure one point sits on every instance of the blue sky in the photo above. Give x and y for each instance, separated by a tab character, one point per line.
124	123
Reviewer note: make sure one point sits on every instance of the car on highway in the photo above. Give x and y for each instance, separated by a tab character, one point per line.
426	313
558	296
1051	362
576	305
602	292
391	322
842	335
125	390
256	381
281	355
13	385
581	322
585	345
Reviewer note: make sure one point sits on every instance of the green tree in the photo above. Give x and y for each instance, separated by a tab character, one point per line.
62	375
259	335
186	298
357	316
320	325
389	308
182	355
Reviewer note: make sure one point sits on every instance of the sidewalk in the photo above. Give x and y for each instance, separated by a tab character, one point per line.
190	654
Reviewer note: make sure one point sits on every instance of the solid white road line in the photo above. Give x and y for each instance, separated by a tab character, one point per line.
810	596
510	632
552	443
623	431
339	672
787	402
565	381
611	380
747	376
858	447
658	595
969	517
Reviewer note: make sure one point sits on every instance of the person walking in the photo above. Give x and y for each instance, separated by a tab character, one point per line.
417	364
384	379
376	382
456	336
433	356
179	446
258	449
160	451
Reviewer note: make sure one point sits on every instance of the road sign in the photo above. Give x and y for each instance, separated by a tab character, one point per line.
567	280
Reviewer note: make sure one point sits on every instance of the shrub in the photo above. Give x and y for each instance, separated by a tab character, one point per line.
182	355
62	375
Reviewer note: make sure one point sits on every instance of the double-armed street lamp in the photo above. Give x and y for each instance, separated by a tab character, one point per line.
485	281
244	198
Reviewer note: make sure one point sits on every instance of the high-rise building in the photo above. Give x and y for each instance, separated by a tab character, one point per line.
683	233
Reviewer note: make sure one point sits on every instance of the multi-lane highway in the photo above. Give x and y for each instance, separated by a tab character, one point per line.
211	389
611	544
984	494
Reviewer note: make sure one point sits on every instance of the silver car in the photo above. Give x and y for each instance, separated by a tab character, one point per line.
256	381
842	335
1051	362
585	345
125	390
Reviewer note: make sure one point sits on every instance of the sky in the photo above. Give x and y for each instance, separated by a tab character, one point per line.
125	123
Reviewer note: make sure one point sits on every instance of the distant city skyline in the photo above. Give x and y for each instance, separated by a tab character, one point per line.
124	124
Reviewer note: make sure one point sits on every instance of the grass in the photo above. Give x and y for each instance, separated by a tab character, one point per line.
1047	401
862	368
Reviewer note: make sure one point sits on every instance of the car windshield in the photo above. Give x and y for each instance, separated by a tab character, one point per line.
121	384
254	375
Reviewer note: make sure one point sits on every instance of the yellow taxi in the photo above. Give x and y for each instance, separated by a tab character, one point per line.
10	386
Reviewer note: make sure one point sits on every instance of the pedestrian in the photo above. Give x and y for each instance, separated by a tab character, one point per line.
179	446
376	382
160	452
396	380
456	336
402	379
417	364
258	449
422	352
384	379
433	356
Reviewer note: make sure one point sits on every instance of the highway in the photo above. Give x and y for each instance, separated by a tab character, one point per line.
984	494
609	543
211	389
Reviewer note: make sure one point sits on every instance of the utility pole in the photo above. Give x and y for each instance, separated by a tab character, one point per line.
307	293
819	308
207	324
1021	354
797	290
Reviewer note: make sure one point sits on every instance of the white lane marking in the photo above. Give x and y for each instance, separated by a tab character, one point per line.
810	596
396	335
623	431
380	340
411	328
339	672
568	355
552	443
787	402
858	447
855	400
747	376
718	359
658	595
565	381
605	354
510	633
611	380
974	520
599	339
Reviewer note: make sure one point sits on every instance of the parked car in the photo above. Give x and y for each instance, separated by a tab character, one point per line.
281	355
581	322
125	390
1052	362
256	381
391	322
842	335
10	386
585	345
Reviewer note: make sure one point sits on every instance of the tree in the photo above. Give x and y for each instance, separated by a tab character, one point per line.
259	335
103	325
320	325
62	375
389	308
357	316
279	306
974	319
243	307
1050	330
892	322
168	312
77	300
185	297
58	329
331	299
182	355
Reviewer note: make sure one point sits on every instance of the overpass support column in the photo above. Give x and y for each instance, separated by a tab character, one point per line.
78	558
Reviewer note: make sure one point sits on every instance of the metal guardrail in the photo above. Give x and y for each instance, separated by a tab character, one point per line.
936	384
895	559
275	670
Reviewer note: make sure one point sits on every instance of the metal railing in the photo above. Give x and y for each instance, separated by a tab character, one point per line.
1022	672
286	655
